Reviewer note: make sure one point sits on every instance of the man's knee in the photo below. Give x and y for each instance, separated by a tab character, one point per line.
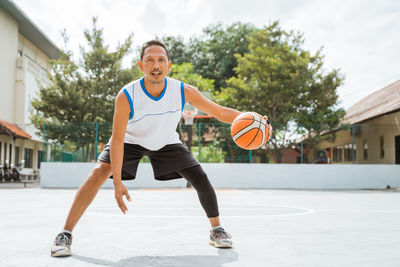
101	172
199	180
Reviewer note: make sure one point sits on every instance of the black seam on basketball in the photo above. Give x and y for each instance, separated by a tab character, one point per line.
246	119
247	131
243	133
241	129
251	120
255	135
253	138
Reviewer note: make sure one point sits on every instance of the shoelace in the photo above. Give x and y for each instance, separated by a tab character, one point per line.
62	240
221	233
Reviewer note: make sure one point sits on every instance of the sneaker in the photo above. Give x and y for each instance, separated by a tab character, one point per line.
62	245
220	239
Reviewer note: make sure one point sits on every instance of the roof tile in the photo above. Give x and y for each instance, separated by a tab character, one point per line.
13	129
381	102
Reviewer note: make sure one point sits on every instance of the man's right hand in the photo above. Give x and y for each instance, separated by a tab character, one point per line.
120	191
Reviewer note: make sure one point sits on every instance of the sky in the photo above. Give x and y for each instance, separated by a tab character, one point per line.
359	37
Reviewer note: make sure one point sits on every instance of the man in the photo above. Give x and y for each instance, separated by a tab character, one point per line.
146	114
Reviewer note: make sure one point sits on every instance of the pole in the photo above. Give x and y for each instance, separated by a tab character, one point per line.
352	143
44	142
54	152
190	137
199	130
189	143
251	156
302	152
97	138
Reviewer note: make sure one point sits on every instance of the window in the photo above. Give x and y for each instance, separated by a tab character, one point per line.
349	149
337	154
16	156
28	157
365	150
39	157
347	152
382	147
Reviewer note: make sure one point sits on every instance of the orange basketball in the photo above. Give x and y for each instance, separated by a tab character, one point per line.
250	130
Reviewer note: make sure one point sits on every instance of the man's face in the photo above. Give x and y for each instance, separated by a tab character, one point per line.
155	64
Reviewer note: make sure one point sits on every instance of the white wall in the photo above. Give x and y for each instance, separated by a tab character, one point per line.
36	66
8	59
268	176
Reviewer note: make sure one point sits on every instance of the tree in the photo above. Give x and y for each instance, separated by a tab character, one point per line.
177	49
81	94
184	72
277	77
213	53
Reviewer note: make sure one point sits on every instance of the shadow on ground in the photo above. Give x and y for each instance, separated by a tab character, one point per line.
224	256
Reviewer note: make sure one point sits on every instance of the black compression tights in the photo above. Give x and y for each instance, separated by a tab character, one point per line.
198	178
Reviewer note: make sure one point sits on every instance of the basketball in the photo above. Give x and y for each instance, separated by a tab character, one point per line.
250	130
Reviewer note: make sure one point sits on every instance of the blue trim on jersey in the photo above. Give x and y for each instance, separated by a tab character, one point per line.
155	114
149	95
130	103
183	95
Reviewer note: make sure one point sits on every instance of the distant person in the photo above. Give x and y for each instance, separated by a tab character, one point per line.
147	112
6	171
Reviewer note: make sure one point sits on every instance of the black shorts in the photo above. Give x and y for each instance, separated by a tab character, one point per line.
165	161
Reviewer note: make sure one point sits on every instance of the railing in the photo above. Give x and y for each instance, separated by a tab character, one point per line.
211	142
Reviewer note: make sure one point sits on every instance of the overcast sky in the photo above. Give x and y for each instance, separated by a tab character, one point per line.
360	37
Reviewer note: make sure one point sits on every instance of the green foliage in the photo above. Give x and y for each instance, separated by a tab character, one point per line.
177	50
82	92
185	73
211	153
278	78
213	53
265	70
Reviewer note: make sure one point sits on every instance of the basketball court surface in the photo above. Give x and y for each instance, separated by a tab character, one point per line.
167	227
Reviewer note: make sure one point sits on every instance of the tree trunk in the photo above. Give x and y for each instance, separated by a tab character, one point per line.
278	155
85	153
92	155
231	152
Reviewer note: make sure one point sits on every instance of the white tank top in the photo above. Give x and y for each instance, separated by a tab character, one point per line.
153	120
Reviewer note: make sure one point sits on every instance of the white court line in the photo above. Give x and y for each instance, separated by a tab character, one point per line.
306	211
189	208
159	205
359	210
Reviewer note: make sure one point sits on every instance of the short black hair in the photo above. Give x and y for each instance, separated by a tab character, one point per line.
150	43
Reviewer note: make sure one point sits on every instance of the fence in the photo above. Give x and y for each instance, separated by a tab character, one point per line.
211	142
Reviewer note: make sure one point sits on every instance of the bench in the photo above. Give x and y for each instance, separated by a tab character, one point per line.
25	176
17	182
29	175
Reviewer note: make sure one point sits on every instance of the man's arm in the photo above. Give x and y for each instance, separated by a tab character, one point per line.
120	121
195	98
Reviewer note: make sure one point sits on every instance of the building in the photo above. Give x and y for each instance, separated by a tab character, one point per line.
25	52
373	132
